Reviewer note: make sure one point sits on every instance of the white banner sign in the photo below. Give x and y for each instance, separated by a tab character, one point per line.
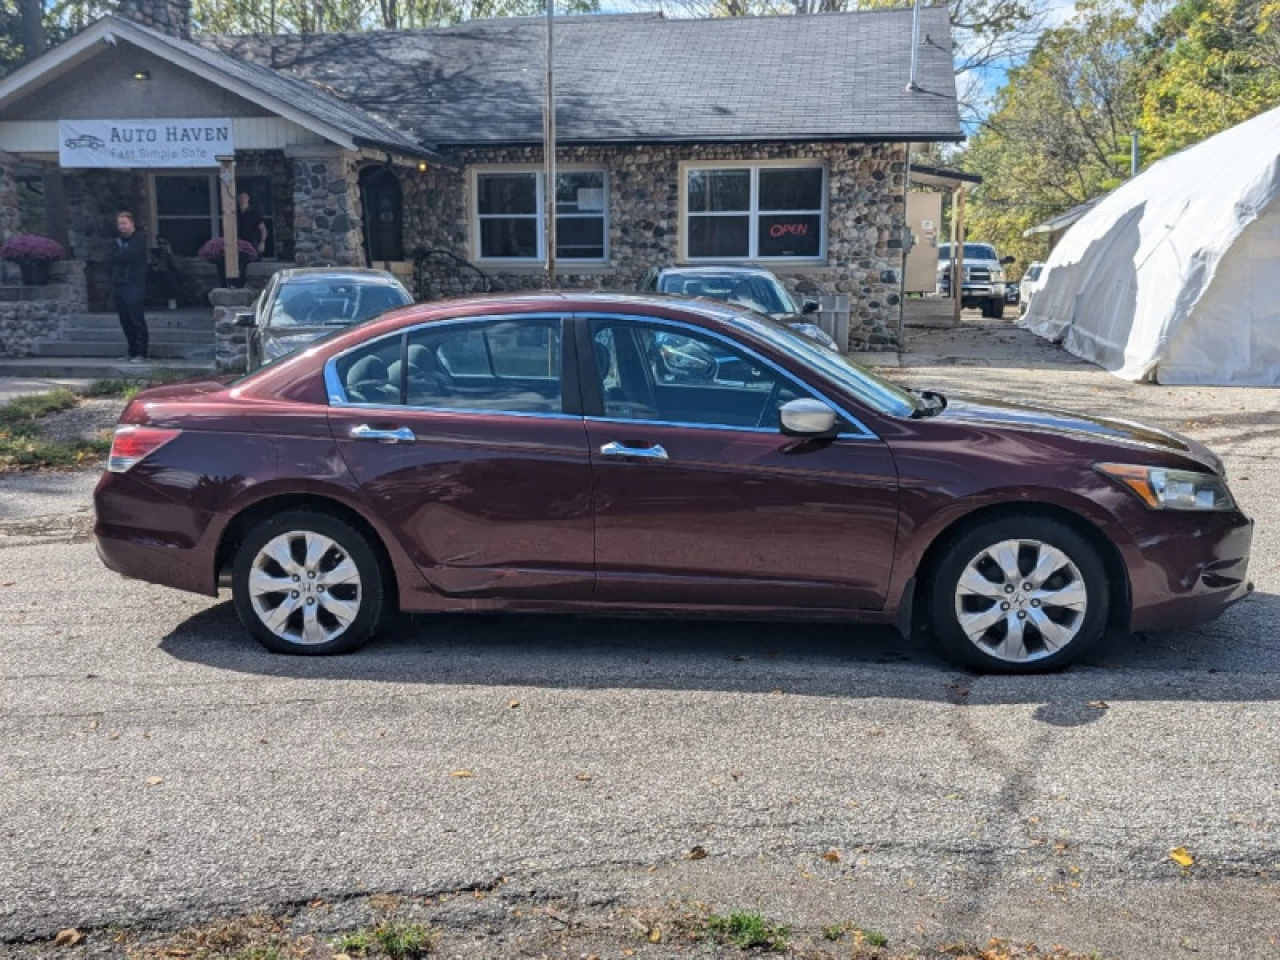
144	143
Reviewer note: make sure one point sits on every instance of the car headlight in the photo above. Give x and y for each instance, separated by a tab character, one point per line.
1164	489
997	276
276	347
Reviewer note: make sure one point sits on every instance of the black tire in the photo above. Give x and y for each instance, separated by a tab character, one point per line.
369	596
941	597
995	308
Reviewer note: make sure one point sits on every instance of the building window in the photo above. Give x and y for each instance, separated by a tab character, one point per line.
383	214
510	208
755	213
187	210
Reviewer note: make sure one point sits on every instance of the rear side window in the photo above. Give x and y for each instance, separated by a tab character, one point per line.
504	366
371	373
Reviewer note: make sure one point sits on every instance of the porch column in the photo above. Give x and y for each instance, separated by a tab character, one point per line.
10	215
326	207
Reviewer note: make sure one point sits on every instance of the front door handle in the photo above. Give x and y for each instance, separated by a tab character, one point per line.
616	449
399	435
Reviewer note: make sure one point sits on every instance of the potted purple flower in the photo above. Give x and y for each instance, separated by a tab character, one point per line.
33	254
214	250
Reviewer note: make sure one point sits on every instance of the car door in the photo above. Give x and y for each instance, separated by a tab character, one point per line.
468	440
699	497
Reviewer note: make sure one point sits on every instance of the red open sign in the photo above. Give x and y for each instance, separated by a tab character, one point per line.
793	229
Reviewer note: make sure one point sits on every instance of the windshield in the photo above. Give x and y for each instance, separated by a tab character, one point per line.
755	291
972	251
333	303
871	388
1033	271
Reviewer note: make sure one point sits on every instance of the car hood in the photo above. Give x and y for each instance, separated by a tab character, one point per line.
1127	433
301	333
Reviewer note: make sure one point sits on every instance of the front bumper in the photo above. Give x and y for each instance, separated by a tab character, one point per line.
1190	573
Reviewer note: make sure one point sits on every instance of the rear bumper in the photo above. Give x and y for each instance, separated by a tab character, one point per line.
1191	574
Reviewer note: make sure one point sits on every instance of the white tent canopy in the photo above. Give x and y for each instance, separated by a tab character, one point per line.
1175	275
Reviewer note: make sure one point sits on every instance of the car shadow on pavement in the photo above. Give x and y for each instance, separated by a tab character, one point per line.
1236	658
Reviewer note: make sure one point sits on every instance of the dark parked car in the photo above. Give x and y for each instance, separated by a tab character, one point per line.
751	287
300	305
547	452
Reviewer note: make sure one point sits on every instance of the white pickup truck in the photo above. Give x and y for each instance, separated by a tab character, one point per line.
983	272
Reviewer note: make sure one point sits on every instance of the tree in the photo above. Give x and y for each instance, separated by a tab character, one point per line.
1059	130
1211	64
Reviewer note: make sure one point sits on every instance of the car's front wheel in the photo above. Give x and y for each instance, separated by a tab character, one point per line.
306	582
1018	595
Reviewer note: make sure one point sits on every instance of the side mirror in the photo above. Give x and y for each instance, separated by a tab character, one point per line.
811	306
1005	261
808	418
246	320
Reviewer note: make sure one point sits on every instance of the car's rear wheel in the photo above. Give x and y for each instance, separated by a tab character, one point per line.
308	583
1018	595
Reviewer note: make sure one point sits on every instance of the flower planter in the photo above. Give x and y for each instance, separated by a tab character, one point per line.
35	273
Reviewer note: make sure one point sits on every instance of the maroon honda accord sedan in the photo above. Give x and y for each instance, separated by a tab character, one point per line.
609	453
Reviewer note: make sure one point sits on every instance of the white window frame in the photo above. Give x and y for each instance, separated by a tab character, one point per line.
754	213
215	221
539	216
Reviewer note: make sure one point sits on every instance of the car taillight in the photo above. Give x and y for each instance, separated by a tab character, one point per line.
131	445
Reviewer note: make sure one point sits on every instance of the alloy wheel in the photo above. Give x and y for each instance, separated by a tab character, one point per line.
304	587
1021	600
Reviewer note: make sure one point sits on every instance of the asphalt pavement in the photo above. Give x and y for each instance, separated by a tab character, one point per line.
157	766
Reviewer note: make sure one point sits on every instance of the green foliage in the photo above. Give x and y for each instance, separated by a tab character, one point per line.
394	939
19	416
22	447
748	930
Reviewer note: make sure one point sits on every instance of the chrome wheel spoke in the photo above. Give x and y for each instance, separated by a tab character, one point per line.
1055	635
1013	646
344	572
279	551
977	624
277	617
1073	596
975	584
1050	561
261	582
1006	557
343	611
317	547
313	630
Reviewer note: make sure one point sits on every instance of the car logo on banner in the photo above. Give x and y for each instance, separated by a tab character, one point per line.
143	144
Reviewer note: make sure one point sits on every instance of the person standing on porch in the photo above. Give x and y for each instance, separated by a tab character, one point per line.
128	261
249	223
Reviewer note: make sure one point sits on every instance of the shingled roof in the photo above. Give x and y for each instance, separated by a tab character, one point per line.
635	78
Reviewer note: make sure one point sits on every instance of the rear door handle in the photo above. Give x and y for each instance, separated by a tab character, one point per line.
399	435
616	449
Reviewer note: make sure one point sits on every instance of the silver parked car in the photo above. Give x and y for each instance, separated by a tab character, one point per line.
303	304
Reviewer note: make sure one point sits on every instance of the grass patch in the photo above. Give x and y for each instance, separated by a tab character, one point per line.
394	939
748	930
124	389
22	447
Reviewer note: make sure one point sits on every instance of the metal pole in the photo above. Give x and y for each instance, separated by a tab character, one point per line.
549	150
1133	154
912	86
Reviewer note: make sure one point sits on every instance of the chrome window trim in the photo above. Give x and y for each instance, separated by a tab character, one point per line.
337	393
859	433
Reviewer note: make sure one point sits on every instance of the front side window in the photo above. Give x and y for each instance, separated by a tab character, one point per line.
675	375
510	215
187	210
750	213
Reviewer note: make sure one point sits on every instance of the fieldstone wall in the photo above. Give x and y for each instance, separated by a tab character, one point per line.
866	220
168	16
10	211
231	343
326	210
28	314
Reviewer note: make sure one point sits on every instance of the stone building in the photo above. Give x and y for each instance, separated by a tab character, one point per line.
782	142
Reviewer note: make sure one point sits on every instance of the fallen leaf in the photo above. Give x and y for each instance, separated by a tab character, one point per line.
832	856
697	853
1099	705
154	781
462	774
1180	856
93	724
584	777
68	938
736	774
513	704
8	583
655	935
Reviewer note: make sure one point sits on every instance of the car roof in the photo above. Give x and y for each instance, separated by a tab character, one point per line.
709	268
317	274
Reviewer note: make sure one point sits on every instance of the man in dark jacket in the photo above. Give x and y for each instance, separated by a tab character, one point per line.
128	261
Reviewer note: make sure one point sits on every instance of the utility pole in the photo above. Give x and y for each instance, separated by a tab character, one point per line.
912	85
549	150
